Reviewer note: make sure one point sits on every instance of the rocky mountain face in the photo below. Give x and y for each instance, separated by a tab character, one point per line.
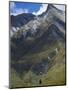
25	23
36	40
20	20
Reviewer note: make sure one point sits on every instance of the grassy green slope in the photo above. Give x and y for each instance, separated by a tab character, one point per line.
54	76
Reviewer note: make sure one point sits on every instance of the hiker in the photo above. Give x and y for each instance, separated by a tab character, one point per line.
40	81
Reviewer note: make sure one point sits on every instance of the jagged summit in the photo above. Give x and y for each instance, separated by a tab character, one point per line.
29	25
51	8
21	19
